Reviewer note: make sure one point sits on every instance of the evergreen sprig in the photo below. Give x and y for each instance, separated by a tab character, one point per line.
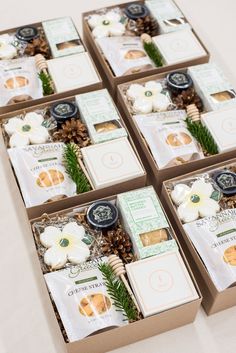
46	82
118	293
153	53
73	169
202	135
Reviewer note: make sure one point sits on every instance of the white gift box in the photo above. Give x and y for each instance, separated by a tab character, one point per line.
179	46
71	72
111	162
161	282
222	126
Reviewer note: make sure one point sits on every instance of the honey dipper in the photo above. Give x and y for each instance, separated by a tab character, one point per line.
193	112
81	164
146	38
41	63
119	269
42	66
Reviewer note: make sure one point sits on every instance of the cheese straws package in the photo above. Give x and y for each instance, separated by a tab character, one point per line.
168	138
41	173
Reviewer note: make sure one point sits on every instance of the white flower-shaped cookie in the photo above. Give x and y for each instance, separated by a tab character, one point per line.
26	131
194	202
65	245
106	25
148	98
7	50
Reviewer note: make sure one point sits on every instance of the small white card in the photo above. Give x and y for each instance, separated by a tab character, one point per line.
222	126
161	282
179	46
71	72
111	162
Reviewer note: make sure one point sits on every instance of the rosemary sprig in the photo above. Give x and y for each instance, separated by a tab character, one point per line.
73	169
47	83
202	135
118	293
153	53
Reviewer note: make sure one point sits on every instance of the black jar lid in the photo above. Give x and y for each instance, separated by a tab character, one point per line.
178	81
63	111
27	33
135	11
226	182
102	215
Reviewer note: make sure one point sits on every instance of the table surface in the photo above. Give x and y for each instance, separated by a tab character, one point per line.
24	327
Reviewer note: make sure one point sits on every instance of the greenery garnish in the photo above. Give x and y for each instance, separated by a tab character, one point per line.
202	135
118	293
47	83
153	53
73	168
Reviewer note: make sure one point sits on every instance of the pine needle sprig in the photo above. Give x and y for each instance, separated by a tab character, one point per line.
153	53
118	293
202	135
73	169
46	83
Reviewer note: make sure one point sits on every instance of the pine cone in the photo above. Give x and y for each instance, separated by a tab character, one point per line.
72	131
38	46
118	242
147	25
186	98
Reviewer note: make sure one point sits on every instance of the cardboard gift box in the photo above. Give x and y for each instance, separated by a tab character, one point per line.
157	175
58	55
105	70
34	211
213	299
105	341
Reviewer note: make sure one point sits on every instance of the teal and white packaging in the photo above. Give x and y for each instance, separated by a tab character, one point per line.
212	86
168	15
142	215
101	116
62	37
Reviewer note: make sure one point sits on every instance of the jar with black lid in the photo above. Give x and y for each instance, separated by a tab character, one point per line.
178	81
63	111
27	34
140	20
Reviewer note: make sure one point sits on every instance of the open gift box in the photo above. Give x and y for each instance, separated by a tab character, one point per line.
28	79
150	153
167	319
111	79
209	268
117	154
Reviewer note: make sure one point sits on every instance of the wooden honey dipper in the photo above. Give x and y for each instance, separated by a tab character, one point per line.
81	164
146	38
41	63
193	112
42	66
119	269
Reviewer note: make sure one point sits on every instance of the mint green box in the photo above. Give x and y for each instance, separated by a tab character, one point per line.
141	212
97	108
62	36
